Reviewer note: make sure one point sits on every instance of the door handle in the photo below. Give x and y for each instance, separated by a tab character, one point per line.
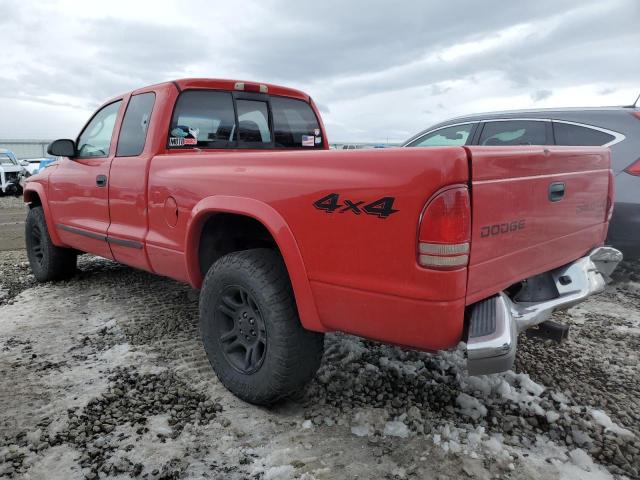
101	180
556	191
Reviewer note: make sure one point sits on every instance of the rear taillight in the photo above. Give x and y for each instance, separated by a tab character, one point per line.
634	168
611	193
445	230
636	114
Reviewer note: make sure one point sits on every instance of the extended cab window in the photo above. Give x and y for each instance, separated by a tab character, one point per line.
515	132
567	134
253	121
95	139
215	119
294	124
445	137
133	133
203	118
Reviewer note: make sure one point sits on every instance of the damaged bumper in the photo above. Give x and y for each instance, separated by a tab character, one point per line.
495	322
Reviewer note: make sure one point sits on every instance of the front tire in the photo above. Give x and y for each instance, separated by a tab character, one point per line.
47	261
251	331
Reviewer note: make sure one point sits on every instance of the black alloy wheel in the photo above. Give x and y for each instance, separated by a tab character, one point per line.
244	337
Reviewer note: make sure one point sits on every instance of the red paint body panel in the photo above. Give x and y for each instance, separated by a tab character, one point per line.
421	324
512	186
352	272
278	229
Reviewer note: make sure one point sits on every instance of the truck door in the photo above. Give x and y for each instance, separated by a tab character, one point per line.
78	194
128	183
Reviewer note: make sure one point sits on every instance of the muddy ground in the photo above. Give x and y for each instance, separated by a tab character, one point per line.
104	376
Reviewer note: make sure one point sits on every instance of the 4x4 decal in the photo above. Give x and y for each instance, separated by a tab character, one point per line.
381	208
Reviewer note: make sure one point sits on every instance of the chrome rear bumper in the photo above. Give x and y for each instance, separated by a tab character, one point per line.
495	322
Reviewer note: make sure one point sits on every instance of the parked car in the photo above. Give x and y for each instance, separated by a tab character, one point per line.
10	173
615	127
33	165
231	187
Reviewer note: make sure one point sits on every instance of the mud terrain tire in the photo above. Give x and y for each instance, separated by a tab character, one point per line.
251	330
47	261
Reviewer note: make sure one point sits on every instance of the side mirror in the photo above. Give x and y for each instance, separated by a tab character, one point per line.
62	148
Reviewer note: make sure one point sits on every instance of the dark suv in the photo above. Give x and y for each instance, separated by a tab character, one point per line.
614	127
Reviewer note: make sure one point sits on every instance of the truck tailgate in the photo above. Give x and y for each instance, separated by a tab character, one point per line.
533	209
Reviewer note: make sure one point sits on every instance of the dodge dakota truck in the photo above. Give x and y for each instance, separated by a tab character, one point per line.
230	186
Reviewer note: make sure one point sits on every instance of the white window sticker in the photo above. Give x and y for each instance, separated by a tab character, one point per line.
183	135
316	132
307	140
318	140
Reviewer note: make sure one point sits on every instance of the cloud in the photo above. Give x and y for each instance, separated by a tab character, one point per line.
541	95
386	70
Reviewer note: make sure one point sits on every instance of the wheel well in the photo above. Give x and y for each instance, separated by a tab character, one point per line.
224	233
32	198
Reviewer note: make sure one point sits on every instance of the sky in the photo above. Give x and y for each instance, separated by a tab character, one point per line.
379	70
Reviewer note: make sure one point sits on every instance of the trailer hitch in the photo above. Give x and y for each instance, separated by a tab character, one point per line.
558	332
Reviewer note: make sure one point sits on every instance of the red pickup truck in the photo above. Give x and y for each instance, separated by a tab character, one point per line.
230	186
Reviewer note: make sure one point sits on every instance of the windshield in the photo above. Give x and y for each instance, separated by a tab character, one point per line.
6	160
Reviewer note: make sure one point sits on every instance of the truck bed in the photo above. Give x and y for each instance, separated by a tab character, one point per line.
362	270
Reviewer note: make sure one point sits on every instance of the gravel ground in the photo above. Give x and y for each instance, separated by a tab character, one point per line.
104	376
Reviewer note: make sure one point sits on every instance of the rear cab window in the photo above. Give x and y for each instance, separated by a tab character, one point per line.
294	124
219	119
253	122
203	118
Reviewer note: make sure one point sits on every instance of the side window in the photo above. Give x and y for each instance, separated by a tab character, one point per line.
515	132
294	124
445	137
203	118
567	134
135	124
253	121
95	139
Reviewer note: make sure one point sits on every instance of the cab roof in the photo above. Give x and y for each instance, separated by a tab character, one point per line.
231	85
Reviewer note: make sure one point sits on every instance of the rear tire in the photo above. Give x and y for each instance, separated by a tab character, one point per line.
47	261
251	330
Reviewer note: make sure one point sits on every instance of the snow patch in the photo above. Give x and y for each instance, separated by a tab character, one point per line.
471	406
361	430
281	472
609	425
366	421
395	429
580	458
58	463
552	416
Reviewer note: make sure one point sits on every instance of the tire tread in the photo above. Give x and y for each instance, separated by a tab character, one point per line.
295	353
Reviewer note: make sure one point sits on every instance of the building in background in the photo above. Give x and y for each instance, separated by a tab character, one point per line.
26	148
